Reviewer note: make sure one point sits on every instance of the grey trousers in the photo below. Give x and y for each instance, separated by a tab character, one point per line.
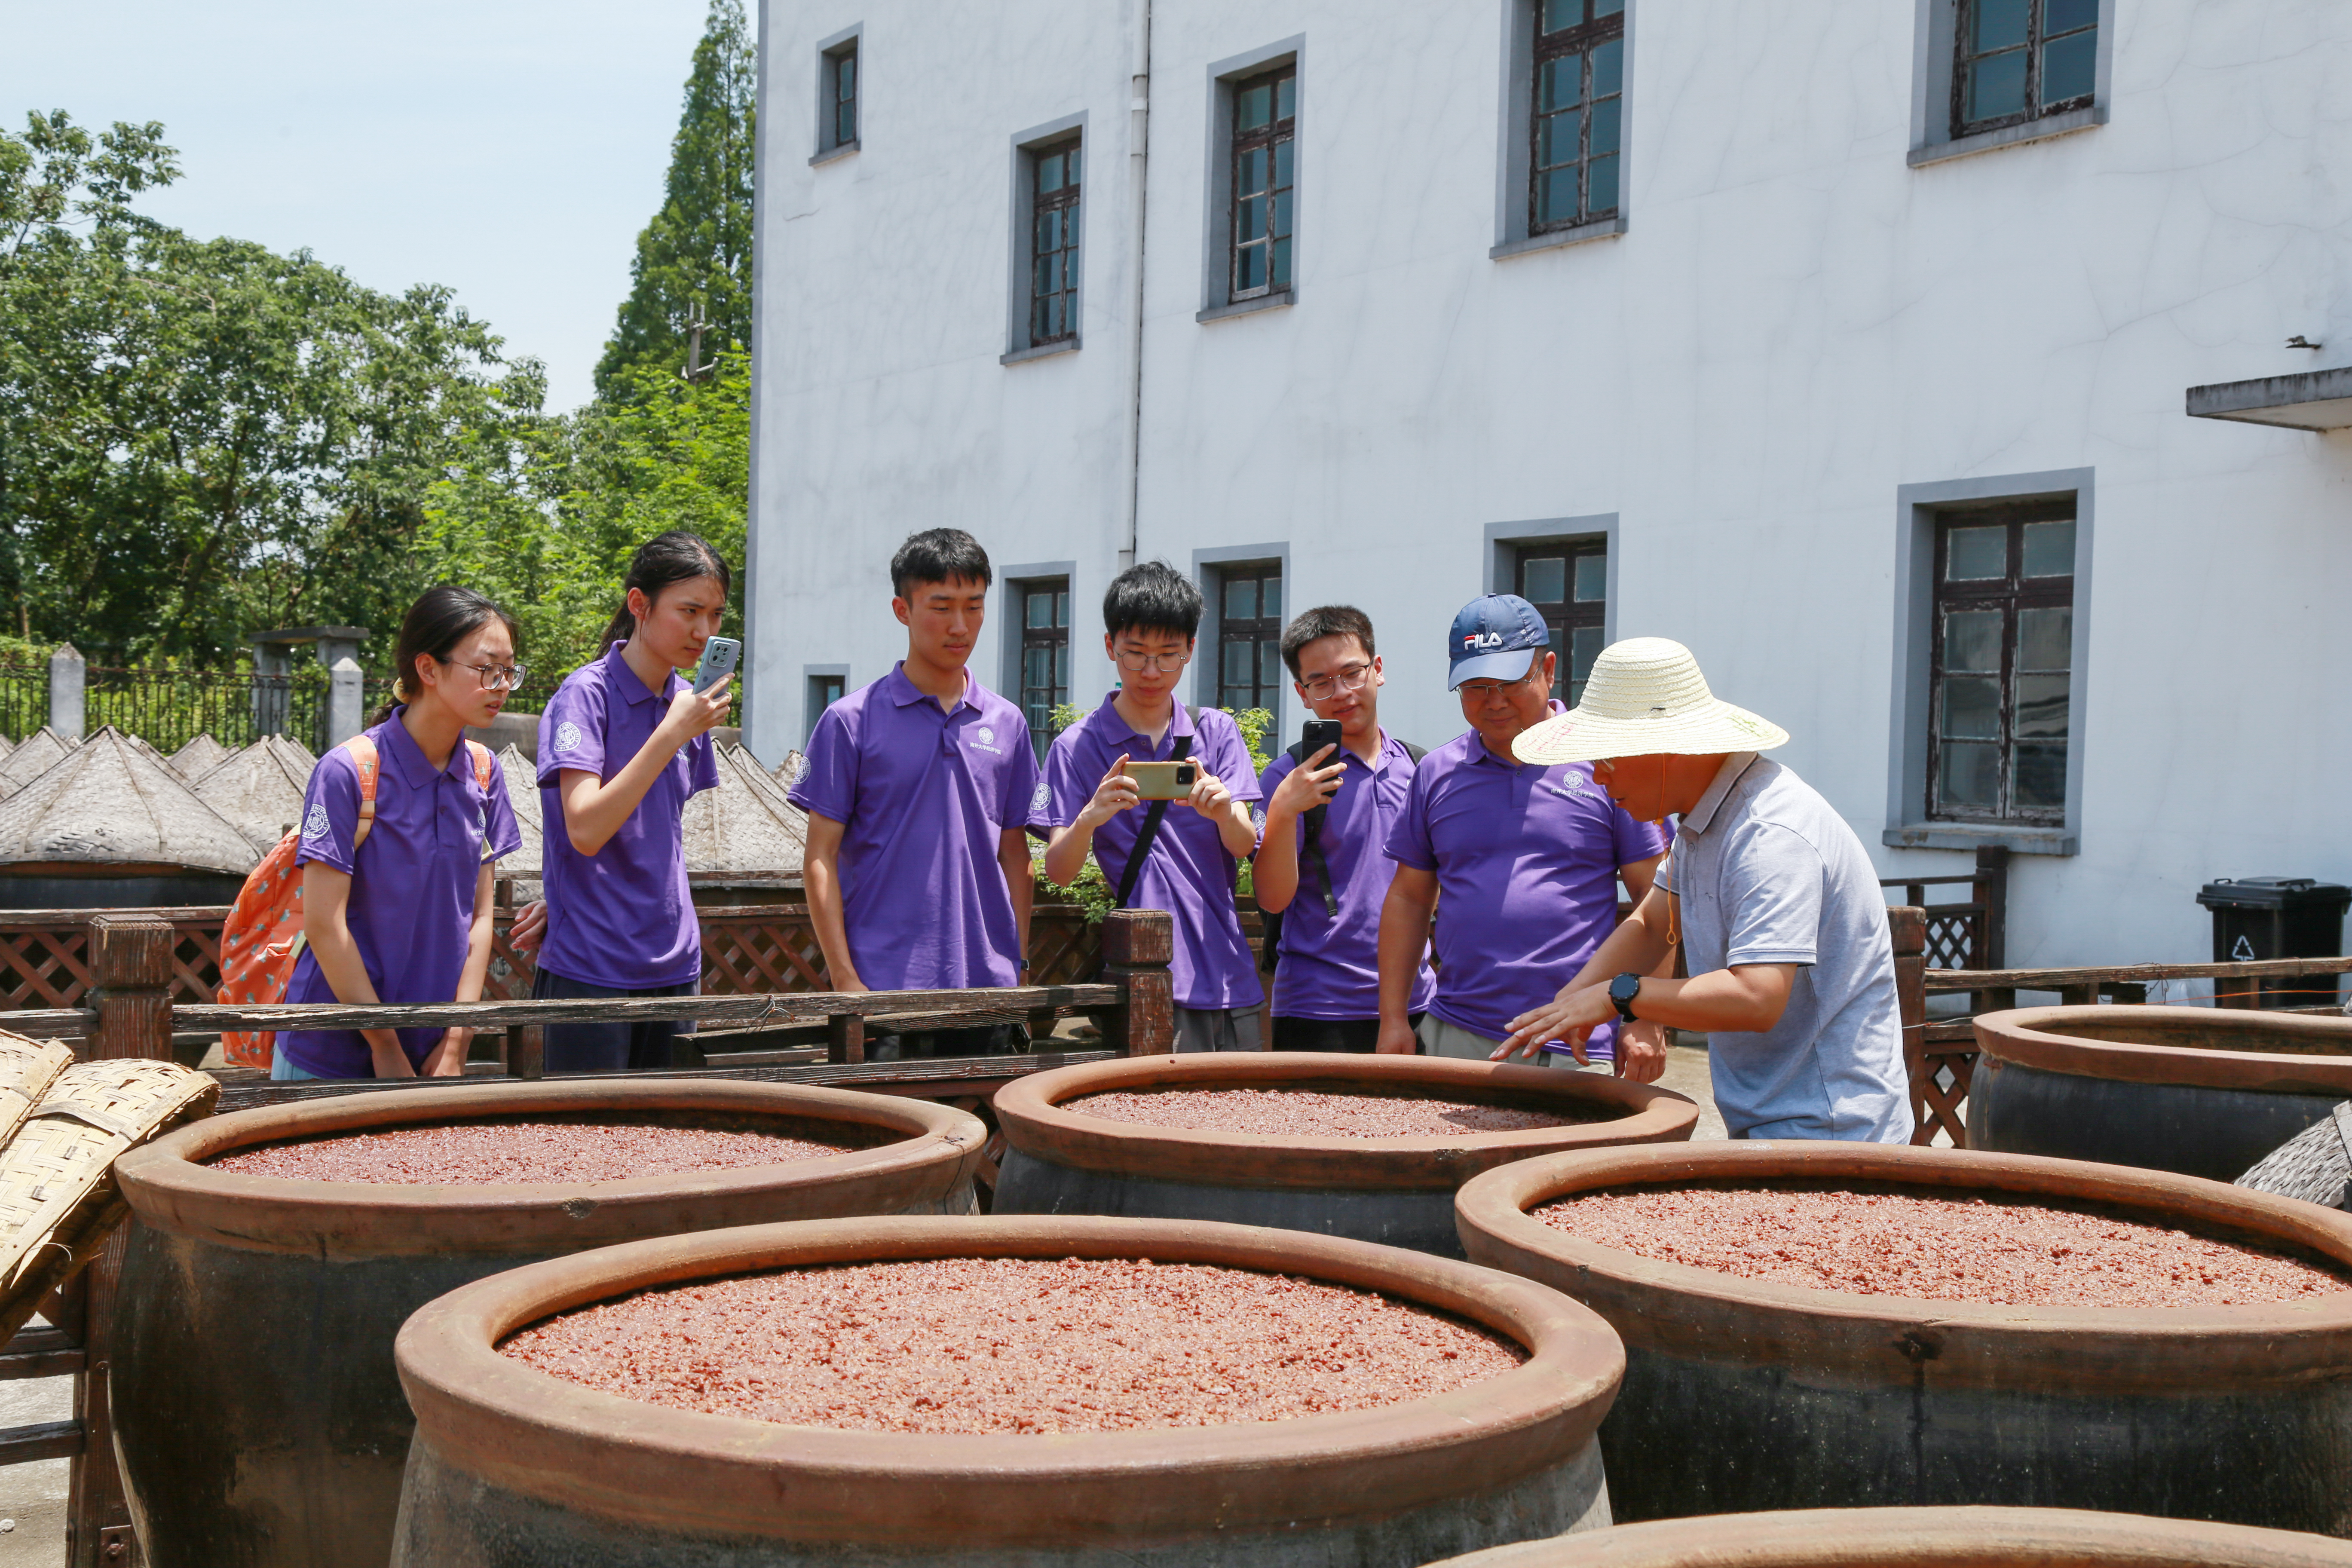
1440	1039
1217	1029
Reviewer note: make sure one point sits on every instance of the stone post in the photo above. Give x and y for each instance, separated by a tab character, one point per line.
346	702
68	670
1136	946
272	696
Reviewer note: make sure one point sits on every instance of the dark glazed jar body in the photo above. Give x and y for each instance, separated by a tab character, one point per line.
2203	1091
514	1468
1398	1192
1741	1394
258	1415
1925	1537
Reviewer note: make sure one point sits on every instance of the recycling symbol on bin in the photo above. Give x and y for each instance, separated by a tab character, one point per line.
2244	952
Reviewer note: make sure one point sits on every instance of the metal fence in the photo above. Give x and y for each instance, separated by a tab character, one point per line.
168	707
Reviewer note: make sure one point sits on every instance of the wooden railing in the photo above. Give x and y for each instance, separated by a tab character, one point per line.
125	1002
1971	934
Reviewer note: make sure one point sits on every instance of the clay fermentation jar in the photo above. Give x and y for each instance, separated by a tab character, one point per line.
1925	1537
1742	1393
2206	1091
514	1467
1395	1191
256	1412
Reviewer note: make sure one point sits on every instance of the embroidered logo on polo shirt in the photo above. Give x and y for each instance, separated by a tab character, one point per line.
314	821
567	735
1040	798
985	738
1573	790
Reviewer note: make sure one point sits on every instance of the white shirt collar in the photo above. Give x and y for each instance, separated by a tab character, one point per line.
1698	818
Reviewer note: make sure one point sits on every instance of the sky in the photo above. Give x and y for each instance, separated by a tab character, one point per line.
510	149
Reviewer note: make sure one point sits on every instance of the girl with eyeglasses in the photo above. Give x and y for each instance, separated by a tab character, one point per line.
624	744
396	899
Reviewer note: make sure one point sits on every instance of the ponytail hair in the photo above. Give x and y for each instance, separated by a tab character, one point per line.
442	618
676	556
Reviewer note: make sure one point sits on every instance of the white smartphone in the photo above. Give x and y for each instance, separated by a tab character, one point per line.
718	659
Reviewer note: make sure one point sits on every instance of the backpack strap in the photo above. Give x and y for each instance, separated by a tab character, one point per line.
482	760
363	756
1313	821
1150	828
1415	752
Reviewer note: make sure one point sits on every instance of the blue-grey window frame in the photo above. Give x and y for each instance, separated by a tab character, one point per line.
1026	144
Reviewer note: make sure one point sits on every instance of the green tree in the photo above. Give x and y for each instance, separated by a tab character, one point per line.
696	254
202	439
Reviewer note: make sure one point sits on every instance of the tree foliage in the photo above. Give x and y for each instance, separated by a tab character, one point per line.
697	251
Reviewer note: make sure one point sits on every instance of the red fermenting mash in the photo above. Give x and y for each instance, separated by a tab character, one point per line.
1018	1345
479	1153
1309	1113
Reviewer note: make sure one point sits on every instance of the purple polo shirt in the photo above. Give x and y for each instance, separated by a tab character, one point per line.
924	796
622	917
1188	872
412	884
1330	967
1526	861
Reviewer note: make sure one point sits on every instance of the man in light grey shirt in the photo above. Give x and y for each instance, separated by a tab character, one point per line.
1767	890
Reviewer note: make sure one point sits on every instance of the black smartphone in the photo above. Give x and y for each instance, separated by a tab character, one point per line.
1319	733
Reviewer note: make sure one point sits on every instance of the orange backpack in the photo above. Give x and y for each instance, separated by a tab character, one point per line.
263	936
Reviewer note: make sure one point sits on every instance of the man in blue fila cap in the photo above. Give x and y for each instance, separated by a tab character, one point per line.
1520	863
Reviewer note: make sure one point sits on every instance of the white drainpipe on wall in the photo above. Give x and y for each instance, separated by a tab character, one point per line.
1139	146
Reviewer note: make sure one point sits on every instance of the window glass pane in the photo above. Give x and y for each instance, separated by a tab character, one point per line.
1049	173
1286	97
1607	8
2069	66
2041	778
1601	184
1269	666
1282	162
1592	579
1278	268
1281	219
2049	549
1556	143
844	123
1254	106
1609	67
1062	607
1559	193
1236	670
2045	639
2041	705
1997	86
2065	15
1971	775
1559	14
1241	599
1074	164
1604	131
1039	609
1062	671
1251	178
1249	219
1249	270
1975	554
1041	321
1037	667
1972	640
1998	24
1544	581
1971	707
1584	646
1270	601
1563	83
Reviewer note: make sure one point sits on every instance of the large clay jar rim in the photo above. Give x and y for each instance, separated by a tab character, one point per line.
2025	1037
1035	1121
518	1428
169	1185
1957	1537
1956	1343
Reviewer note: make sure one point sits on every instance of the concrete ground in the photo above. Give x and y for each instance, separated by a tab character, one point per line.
32	1497
1686	1074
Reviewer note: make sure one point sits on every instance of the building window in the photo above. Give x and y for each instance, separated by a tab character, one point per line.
1577	112
2001	671
1264	130
823	692
2020	61
1568	583
1045	655
1053	216
837	97
1249	635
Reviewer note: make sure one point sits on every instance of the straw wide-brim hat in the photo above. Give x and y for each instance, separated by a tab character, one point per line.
1646	698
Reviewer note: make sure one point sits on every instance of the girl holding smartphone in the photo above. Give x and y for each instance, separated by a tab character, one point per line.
401	911
622	746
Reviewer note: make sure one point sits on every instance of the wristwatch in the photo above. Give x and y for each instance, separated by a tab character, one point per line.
1621	991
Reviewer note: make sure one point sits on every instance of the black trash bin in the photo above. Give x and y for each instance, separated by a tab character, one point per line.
2278	917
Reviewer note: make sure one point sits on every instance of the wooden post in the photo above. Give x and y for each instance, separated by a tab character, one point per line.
527	1051
1136	947
130	978
844	1038
130	985
1991	890
1908	928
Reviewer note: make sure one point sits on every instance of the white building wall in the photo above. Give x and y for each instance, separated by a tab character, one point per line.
1796	324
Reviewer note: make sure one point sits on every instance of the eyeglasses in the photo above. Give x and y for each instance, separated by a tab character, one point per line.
1135	661
1485	690
495	677
1350	678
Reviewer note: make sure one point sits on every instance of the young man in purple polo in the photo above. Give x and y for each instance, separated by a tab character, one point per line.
1519	863
1321	862
1090	802
918	789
